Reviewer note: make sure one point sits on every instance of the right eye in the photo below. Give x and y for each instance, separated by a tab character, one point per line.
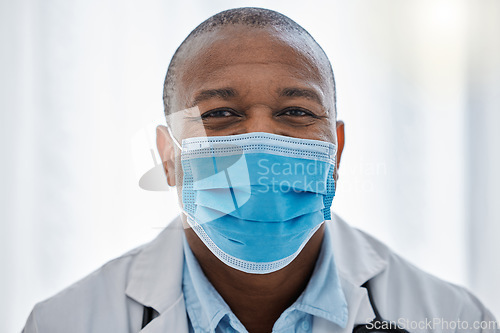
219	113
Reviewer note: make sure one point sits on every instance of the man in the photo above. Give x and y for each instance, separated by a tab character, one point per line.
253	147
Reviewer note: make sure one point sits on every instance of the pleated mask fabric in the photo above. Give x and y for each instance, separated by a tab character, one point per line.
256	199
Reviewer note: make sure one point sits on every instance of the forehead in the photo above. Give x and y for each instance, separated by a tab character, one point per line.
213	54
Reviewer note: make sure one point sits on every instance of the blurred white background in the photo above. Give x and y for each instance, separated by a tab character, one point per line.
418	88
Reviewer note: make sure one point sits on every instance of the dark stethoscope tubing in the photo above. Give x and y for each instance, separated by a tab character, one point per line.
375	326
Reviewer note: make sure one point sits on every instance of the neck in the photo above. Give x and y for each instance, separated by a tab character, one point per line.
258	299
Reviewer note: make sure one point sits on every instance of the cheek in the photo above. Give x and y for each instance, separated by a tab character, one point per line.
326	131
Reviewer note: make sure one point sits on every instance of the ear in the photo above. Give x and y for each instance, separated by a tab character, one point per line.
166	149
340	144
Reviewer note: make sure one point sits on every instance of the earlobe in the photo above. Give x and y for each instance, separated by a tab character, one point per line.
167	153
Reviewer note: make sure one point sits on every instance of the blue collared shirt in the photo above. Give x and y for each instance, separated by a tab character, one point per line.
323	297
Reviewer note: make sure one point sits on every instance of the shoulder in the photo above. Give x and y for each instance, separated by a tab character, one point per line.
404	291
101	293
400	289
105	300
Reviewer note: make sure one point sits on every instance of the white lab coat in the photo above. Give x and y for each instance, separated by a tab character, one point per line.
112	298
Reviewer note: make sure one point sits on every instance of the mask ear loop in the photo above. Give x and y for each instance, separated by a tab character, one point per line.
188	216
173	138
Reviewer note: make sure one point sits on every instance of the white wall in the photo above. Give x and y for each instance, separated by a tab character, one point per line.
81	90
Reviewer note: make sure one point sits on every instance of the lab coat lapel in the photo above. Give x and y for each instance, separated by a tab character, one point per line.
155	280
174	319
357	261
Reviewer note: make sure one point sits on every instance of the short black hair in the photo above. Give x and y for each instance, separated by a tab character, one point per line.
248	16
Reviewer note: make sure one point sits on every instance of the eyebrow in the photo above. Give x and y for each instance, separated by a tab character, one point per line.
227	93
300	92
223	93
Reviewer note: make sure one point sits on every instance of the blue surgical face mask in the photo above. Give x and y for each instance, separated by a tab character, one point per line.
256	199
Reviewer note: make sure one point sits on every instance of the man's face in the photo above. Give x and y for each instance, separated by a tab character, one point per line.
238	80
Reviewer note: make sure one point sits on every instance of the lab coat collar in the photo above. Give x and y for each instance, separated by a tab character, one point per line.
155	277
358	260
358	256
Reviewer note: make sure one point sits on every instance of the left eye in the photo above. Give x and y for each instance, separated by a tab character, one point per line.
296	112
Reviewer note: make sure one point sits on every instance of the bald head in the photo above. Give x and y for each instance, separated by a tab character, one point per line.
243	25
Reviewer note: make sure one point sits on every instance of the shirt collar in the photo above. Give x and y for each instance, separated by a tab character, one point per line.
205	306
323	296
